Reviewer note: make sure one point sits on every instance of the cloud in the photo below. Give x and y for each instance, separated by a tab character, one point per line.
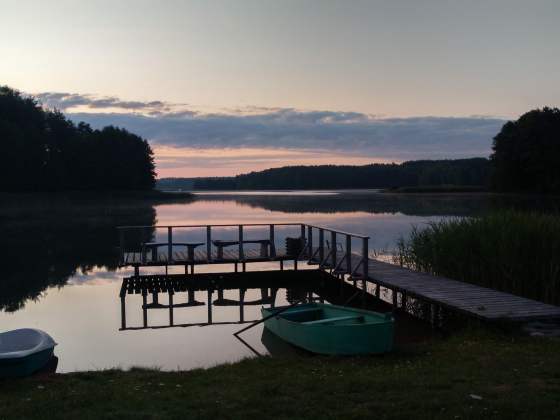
69	101
389	138
330	133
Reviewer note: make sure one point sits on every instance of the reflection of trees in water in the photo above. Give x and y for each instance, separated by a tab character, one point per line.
409	204
44	242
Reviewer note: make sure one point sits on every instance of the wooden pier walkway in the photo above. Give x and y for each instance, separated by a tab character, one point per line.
469	299
324	248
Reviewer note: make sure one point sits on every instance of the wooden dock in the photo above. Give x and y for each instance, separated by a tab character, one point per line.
469	299
334	251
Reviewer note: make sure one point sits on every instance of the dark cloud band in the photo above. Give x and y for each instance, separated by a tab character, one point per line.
348	132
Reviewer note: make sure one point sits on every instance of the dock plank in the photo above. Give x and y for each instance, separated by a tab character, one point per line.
469	298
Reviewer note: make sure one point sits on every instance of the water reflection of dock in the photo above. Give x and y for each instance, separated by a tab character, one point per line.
182	291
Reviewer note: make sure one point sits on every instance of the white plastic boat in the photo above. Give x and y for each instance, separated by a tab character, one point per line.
24	351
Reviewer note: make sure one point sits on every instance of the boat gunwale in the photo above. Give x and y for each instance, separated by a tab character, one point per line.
45	342
382	321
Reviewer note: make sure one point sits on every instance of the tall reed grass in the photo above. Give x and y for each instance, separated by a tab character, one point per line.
516	252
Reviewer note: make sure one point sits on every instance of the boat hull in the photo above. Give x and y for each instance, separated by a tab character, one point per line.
375	335
25	366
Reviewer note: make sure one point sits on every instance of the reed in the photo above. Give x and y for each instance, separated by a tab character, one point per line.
512	251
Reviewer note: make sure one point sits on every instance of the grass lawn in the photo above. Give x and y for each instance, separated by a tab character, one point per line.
472	375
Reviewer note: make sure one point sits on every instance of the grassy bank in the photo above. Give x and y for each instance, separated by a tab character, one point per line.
472	375
516	252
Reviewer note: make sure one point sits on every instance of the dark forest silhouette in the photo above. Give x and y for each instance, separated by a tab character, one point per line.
471	172
527	153
42	150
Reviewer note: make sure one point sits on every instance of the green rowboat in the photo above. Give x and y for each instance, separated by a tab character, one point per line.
330	329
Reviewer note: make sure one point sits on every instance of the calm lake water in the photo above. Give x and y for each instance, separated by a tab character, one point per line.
59	260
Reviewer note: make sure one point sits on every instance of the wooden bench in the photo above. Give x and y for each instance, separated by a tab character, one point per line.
220	245
153	247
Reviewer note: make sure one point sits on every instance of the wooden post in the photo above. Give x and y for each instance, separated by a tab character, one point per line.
281	265
378	291
144	309
321	245
169	244
365	259
302	234
241	256
241	307
348	254
210	306
272	243
333	249
395	306
403	301
209	243
170	293
273	293
310	240
123	312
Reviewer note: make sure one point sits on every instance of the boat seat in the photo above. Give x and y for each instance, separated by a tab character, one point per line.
329	320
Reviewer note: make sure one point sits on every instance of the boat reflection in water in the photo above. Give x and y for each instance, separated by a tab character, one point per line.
278	347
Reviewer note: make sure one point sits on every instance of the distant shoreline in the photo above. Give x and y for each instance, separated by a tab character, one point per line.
428	189
445	189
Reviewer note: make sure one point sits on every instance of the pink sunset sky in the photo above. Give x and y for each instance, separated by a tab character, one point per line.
221	87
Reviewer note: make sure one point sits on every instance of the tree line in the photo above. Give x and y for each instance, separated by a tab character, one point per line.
472	172
525	158
42	150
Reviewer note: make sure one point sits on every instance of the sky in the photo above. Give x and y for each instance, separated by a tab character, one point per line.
226	87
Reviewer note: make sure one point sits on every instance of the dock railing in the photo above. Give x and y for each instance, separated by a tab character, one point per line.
330	256
320	245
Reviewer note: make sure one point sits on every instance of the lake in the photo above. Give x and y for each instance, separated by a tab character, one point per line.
60	270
